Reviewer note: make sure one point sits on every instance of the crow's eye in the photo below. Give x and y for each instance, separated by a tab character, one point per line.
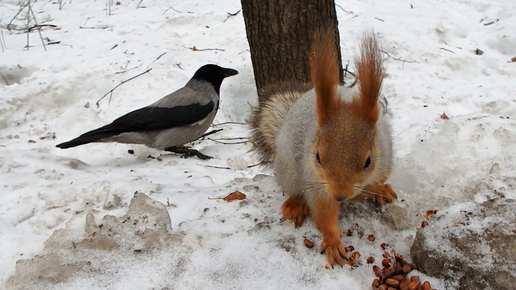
318	158
367	162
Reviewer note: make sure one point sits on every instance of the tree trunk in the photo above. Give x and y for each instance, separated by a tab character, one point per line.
280	34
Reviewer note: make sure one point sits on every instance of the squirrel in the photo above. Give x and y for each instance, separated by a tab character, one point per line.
327	142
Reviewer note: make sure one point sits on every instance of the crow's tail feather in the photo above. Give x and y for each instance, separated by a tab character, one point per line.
92	136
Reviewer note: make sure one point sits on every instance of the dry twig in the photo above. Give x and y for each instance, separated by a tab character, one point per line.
399	58
229	143
2	40
491	23
41	25
347	71
204	49
223	167
16	15
231	15
224	123
445	49
110	93
209	133
5	79
39	28
156	59
343	9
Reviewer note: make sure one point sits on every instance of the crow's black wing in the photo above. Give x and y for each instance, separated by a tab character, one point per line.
145	119
155	118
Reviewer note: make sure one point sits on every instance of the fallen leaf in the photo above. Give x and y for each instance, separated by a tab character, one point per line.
235	195
430	213
371	238
513	59
194	48
444	116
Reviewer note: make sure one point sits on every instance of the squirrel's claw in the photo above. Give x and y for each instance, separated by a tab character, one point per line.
387	195
295	209
383	193
334	253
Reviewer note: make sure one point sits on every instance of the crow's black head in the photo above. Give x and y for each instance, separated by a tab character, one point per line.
213	74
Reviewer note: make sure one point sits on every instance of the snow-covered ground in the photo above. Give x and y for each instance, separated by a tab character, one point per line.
432	64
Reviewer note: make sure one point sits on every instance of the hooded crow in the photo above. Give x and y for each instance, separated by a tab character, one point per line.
177	119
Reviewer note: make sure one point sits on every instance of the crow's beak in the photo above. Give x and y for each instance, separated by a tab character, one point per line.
230	72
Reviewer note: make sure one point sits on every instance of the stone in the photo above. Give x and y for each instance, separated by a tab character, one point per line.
144	229
471	245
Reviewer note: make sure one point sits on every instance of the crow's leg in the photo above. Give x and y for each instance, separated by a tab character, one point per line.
187	152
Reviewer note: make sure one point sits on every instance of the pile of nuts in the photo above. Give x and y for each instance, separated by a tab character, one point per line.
395	275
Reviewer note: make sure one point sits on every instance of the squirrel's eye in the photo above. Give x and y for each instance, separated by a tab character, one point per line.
318	158
367	162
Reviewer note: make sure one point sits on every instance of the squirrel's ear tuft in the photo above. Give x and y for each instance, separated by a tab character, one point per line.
370	73
324	70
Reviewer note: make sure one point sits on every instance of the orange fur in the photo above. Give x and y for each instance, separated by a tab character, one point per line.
295	209
345	137
370	75
324	71
326	216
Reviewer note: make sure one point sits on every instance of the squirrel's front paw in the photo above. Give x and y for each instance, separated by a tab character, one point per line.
387	194
334	251
295	209
383	193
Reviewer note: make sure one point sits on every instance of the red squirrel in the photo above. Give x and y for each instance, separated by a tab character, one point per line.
327	144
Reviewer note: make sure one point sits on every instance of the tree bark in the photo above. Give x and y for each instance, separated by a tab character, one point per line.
280	34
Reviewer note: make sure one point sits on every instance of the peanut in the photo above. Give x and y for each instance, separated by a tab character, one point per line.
377	271
426	285
376	283
386	263
309	244
392	282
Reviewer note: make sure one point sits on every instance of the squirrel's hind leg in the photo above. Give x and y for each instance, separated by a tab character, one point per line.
295	209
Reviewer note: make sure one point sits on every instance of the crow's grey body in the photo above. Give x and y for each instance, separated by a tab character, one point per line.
178	118
194	91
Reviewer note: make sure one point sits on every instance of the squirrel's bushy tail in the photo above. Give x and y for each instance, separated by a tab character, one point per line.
266	120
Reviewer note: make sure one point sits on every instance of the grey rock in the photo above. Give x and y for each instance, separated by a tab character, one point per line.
144	230
471	245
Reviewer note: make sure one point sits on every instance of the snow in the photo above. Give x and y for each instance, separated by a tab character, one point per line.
432	68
